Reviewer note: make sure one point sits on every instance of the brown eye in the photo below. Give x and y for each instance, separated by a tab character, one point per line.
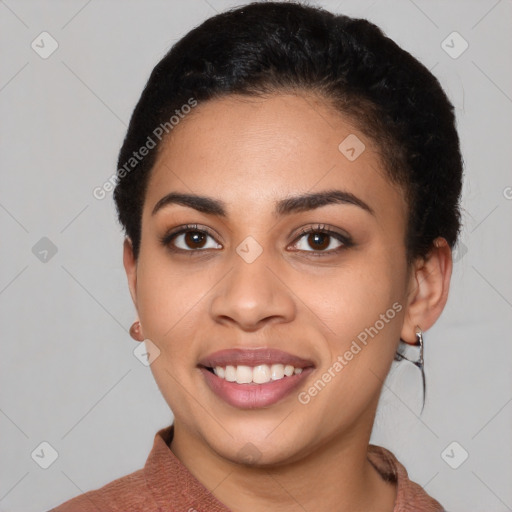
194	239
318	239
190	239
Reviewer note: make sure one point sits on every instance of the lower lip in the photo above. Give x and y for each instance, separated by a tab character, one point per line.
252	396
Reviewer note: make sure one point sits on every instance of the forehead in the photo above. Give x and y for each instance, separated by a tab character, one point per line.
249	151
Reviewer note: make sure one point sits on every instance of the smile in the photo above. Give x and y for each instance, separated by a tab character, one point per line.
249	379
260	374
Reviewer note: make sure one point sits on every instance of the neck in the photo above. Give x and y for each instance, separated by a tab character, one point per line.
335	475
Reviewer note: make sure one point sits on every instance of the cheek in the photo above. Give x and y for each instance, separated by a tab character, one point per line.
360	312
172	305
354	298
170	308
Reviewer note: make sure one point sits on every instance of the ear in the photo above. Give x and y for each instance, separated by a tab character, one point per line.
428	290
130	266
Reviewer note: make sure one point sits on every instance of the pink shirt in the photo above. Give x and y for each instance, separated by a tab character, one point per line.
166	485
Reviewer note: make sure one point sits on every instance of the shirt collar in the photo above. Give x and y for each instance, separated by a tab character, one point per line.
174	488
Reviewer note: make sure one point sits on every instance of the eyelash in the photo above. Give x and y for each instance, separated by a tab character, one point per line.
318	228
323	229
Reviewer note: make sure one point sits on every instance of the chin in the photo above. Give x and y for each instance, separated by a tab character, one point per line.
259	443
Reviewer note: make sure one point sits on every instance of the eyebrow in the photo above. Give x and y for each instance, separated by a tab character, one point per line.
287	206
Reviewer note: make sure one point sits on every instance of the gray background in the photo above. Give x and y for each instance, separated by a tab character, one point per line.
68	374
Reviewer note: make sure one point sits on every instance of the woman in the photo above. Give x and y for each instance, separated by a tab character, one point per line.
289	188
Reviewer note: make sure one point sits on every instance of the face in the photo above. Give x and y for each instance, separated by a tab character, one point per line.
279	261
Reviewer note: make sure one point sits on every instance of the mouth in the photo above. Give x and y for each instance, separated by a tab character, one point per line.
249	379
260	374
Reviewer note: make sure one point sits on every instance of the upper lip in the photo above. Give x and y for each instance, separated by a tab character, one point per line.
252	357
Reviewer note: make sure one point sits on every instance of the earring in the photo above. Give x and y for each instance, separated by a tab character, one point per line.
135	331
420	361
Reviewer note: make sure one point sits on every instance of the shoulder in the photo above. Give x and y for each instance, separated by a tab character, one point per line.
133	492
125	494
410	497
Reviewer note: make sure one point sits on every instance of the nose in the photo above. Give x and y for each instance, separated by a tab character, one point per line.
252	295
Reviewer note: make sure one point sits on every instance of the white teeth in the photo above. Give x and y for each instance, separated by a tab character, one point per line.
277	371
230	374
260	374
288	370
243	374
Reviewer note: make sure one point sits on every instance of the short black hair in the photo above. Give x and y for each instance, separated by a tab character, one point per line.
271	47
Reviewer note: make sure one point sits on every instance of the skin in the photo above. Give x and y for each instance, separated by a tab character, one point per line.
250	153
